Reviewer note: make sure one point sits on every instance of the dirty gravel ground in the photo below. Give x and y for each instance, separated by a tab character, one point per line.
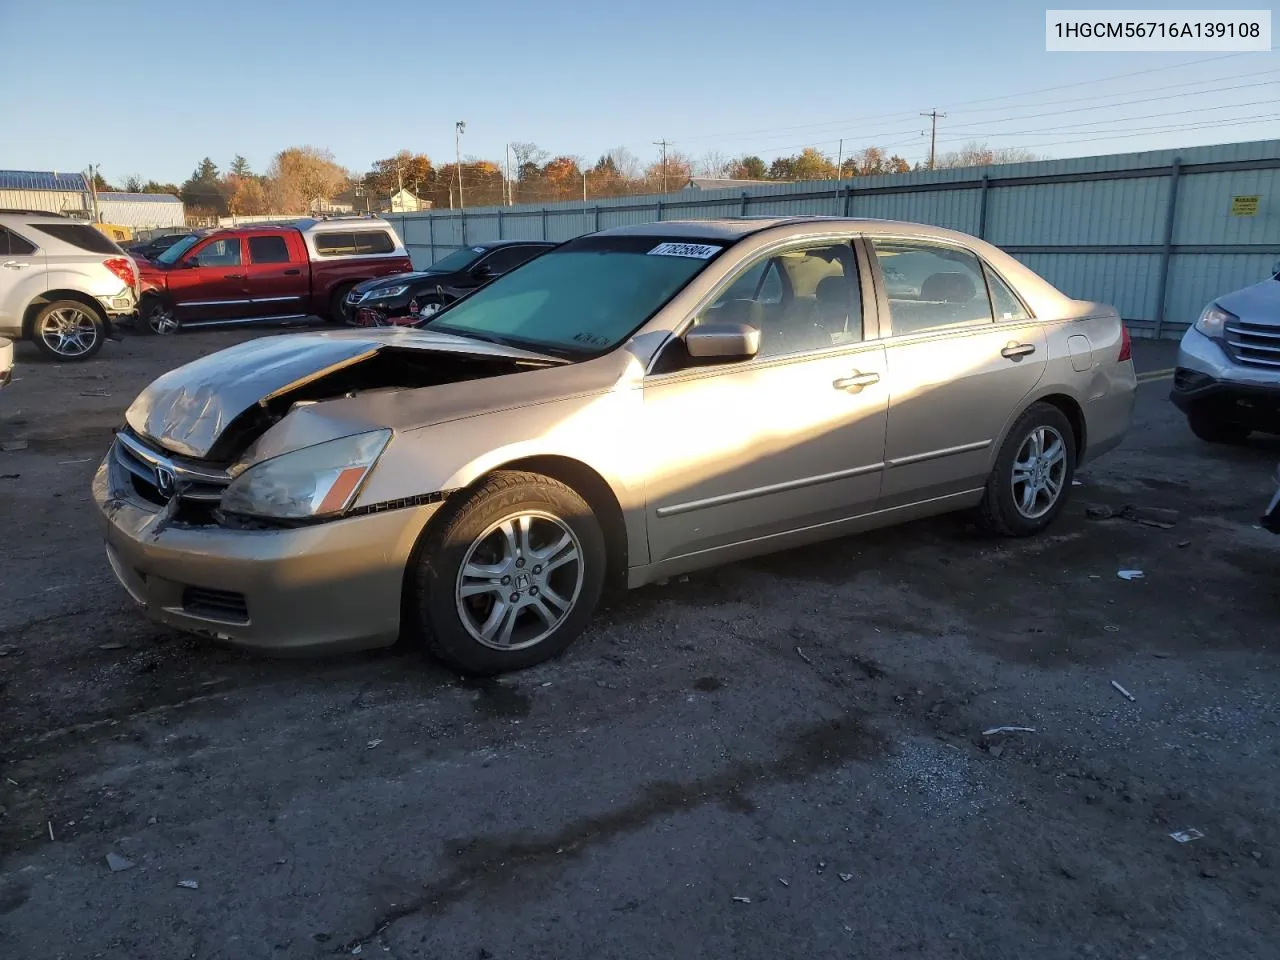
684	782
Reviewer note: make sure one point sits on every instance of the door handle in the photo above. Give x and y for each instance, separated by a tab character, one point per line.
856	382
1016	351
292	273
15	265
233	276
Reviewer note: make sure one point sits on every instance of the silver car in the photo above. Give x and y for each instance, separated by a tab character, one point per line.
1227	380
636	403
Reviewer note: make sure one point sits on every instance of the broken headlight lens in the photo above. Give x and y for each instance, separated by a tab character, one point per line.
313	482
1213	320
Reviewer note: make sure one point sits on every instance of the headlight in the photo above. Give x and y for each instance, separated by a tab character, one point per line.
319	481
1213	320
387	293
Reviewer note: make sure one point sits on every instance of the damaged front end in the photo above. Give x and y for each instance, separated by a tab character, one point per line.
196	441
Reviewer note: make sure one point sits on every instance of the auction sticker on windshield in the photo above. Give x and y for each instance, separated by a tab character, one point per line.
699	251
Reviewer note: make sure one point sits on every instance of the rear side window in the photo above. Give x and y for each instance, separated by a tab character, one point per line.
268	250
1008	306
12	245
335	244
79	235
374	241
350	244
511	257
931	286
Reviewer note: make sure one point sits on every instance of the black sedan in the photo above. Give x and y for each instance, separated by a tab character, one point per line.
155	246
408	299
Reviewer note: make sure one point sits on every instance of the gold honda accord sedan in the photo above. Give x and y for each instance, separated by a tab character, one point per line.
635	403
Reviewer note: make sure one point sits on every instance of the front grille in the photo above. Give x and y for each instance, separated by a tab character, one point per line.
355	297
221	605
1255	344
158	476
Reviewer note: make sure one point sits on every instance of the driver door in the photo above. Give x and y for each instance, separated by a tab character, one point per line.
793	438
209	284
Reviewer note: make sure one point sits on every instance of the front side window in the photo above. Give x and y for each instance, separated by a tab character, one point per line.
223	252
931	285
509	258
582	298
801	299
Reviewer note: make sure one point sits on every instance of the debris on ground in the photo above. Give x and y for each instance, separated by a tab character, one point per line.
372	743
800	653
1111	628
111	646
189	884
741	899
994	730
783	882
67	463
1099	511
94	393
1124	691
1151	516
10	476
8	650
118	863
846	877
1130	574
1184	543
1187	835
49	824
13	446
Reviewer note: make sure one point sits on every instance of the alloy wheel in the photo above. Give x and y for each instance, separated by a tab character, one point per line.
519	580
161	320
69	331
1039	472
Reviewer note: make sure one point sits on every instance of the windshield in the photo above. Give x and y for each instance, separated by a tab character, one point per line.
174	253
458	260
582	298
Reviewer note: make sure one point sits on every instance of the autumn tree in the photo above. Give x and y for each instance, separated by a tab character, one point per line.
240	167
133	183
412	170
976	154
303	176
671	173
561	179
153	186
748	168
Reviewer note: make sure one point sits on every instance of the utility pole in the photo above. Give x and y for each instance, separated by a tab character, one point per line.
933	115
840	160
458	129
663	144
584	186
509	191
93	191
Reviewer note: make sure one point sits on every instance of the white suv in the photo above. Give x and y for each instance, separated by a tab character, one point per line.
61	283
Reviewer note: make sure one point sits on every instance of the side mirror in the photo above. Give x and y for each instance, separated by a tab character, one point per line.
191	263
723	341
482	272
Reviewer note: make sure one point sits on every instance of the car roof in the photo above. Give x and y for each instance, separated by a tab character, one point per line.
735	228
39	216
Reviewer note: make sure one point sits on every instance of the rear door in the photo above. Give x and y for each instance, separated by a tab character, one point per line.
957	369
276	275
208	284
22	277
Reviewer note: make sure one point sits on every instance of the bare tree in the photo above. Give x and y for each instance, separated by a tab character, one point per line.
626	163
975	154
714	164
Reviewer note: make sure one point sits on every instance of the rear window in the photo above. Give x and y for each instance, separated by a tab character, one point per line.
79	235
268	250
12	245
349	244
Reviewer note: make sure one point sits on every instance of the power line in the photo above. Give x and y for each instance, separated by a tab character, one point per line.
964	103
663	143
933	116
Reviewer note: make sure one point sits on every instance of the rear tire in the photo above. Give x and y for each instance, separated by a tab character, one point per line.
1031	480
1217	429
68	331
509	576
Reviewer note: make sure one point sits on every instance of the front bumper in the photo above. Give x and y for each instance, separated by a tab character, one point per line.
1207	379
327	587
6	361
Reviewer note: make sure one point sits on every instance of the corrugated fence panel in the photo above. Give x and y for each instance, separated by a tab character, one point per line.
1130	280
1204	208
1072	214
1195	279
1093	226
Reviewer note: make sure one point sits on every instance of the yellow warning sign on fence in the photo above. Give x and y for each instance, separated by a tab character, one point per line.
1244	206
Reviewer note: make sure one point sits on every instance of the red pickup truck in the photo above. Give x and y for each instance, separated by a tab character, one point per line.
265	272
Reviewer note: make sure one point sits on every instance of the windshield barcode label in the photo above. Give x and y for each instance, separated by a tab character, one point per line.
699	251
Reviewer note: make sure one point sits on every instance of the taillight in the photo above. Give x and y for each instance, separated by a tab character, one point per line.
123	269
1126	345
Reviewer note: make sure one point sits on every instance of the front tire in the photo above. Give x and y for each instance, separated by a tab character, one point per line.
1031	480
336	314
68	331
155	316
510	576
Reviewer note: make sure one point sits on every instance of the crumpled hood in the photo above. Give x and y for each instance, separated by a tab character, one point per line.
1259	303
187	409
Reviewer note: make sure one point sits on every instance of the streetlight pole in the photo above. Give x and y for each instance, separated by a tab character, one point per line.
458	129
584	186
